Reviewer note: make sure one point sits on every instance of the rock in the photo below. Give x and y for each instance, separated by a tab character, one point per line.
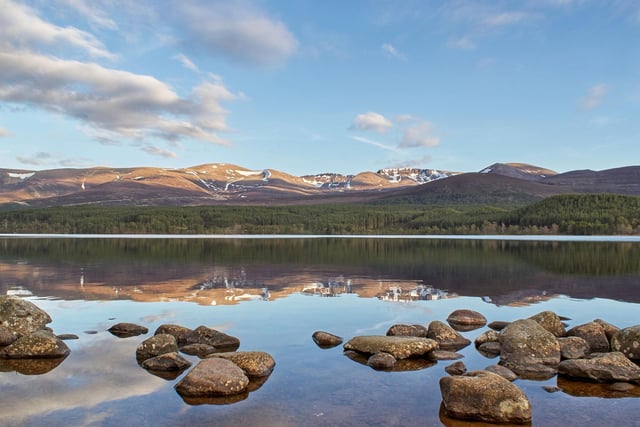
326	339
602	367
126	330
65	337
444	355
490	349
505	373
7	336
456	368
446	336
573	347
486	336
381	361
593	333
627	341
466	320
155	346
213	377
529	350
20	316
37	345
407	331
214	338
398	347
200	350
401	365
498	325
166	362
609	329
253	363
180	333
551	322
484	396
551	388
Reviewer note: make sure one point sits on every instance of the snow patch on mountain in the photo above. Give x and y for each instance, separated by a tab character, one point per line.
21	176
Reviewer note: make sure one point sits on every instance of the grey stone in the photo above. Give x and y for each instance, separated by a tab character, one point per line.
155	346
167	362
627	341
36	345
253	363
21	316
602	367
594	334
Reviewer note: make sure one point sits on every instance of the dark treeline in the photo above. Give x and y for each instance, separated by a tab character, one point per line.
567	214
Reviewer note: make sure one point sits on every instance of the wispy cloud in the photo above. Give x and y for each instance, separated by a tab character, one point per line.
90	10
419	134
375	143
157	151
463	43
44	158
392	51
237	30
371	121
594	97
186	62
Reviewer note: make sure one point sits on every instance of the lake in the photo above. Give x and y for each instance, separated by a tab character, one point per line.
273	293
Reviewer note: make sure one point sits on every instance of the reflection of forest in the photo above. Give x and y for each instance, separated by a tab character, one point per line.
226	271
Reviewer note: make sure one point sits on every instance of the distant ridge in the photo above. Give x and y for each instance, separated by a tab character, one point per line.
220	183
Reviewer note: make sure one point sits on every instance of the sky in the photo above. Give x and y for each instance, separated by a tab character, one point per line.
311	86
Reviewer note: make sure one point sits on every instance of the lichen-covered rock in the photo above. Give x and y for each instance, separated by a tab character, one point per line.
627	341
464	319
602	367
325	339
126	330
444	355
200	350
573	347
155	346
21	316
381	361
214	338
180	333
36	345
7	336
213	377
528	349
609	329
484	396
594	334
487	336
166	362
456	368
407	330
551	322
253	363
398	347
446	337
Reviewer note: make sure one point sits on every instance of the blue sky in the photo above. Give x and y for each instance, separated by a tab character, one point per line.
311	86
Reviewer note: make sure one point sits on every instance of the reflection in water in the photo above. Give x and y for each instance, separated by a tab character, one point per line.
257	290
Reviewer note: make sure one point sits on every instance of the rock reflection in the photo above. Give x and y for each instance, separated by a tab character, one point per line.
30	366
255	383
419	292
401	365
452	422
590	389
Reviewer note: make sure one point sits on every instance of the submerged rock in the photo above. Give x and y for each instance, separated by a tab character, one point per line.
213	377
407	330
37	345
399	347
381	361
326	339
484	396
602	367
627	341
20	316
155	346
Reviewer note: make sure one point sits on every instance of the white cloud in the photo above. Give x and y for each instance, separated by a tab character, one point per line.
419	134
37	159
89	9
391	50
374	143
371	121
463	43
504	18
595	97
157	151
187	63
237	30
22	28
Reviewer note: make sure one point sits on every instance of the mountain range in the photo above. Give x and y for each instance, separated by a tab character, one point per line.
218	183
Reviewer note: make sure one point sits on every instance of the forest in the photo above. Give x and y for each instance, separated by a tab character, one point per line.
582	214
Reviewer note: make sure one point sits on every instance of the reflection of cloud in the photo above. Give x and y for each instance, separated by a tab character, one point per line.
92	375
166	314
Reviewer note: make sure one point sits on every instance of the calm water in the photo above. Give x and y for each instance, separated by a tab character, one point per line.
273	294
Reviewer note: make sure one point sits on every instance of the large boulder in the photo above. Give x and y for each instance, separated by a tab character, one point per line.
155	346
398	346
627	341
446	337
213	377
403	330
484	396
21	316
214	338
602	367
37	345
551	322
594	334
252	363
529	350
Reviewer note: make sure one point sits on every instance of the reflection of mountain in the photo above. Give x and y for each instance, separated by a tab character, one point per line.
227	270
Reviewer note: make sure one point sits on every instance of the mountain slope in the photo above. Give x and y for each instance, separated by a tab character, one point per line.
519	170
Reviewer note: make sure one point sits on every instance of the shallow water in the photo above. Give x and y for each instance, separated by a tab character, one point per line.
273	294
